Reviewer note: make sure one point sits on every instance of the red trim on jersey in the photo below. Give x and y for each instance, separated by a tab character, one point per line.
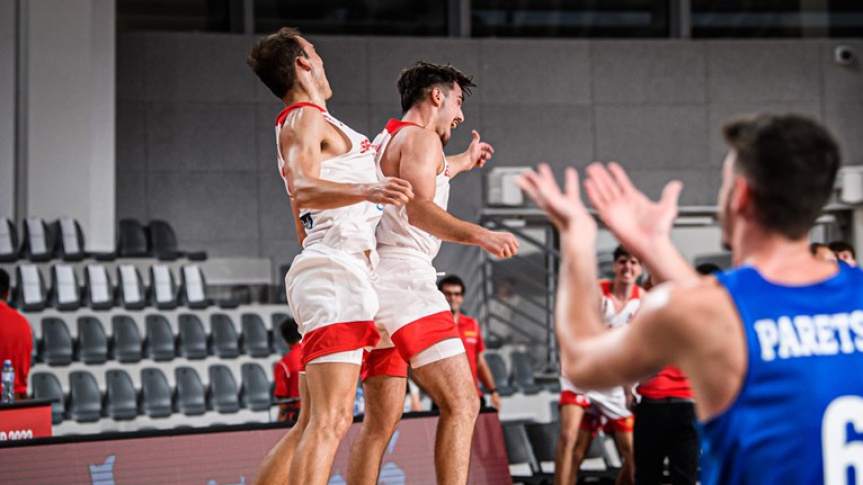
569	397
394	125
383	362
339	337
605	287
284	114
421	334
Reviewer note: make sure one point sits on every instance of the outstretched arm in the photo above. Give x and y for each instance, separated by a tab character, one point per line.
476	155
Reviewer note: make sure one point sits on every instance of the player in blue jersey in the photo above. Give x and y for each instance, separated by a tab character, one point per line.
774	348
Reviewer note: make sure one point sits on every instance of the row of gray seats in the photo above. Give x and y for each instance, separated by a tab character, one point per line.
520	379
125	344
98	292
85	402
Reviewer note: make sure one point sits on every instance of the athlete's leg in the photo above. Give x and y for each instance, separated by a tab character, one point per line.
582	444
450	385
385	400
570	421
623	439
332	388
277	464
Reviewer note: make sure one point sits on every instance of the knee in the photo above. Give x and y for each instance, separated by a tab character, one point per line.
333	424
567	438
465	405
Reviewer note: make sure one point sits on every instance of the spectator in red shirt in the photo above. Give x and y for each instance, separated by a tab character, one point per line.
286	372
452	288
16	339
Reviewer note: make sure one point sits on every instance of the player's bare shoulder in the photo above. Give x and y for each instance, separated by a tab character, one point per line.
692	309
303	125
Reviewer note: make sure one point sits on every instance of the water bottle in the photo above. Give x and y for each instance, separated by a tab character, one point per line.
8	382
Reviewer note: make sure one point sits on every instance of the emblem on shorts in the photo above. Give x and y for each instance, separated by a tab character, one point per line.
307	221
379	207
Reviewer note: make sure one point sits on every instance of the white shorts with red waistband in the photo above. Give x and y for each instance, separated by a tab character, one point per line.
610	403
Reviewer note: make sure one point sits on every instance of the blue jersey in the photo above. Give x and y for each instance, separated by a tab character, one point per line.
798	418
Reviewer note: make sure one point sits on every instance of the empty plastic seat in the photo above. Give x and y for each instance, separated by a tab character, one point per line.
160	340
279	345
164	287
92	341
39	241
191	399
223	390
255	392
121	400
224	336
65	290
164	243
126	343
519	451
255	339
85	399
31	294
192	340
155	394
498	371
98	290
194	289
47	386
131	291
10	250
70	239
56	342
543	440
132	239
522	373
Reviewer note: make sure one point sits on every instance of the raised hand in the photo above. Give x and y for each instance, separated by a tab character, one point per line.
635	220
390	191
499	244
479	152
565	209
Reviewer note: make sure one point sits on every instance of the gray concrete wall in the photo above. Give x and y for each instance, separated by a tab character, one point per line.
195	142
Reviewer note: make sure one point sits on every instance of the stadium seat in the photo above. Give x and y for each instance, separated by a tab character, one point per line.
98	290
224	336
85	399
132	239
255	392
164	243
121	400
10	249
498	371
192	340
70	239
126	342
131	291
155	394
279	345
159	343
65	290
520	453
31	294
56	342
223	390
554	407
543	440
194	289
522	373
255	340
164	287
47	386
191	399
92	342
39	243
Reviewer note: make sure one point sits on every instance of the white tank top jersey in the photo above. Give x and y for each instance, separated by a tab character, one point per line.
624	316
395	231
350	228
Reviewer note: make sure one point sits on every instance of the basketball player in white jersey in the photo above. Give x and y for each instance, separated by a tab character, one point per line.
335	194
582	412
415	320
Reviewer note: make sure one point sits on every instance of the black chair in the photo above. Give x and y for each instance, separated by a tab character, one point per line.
193	287
56	342
65	290
192	340
98	291
159	344
191	398
85	399
131	292
223	390
70	239
132	239
126	341
522	373
224	336
92	341
255	339
498	371
164	243
121	400
255	392
279	345
164	288
10	249
31	295
520	452
39	241
47	386
543	440
155	394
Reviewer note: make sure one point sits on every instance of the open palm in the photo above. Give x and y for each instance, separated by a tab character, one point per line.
565	209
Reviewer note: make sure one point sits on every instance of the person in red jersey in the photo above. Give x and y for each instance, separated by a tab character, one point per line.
16	339
286	372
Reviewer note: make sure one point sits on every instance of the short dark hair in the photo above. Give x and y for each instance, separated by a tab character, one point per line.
839	246
790	162
4	284
707	268
416	81
290	331
450	280
621	251
273	57
814	247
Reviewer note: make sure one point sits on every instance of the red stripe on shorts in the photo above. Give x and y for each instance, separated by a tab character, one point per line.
339	337
384	362
421	334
